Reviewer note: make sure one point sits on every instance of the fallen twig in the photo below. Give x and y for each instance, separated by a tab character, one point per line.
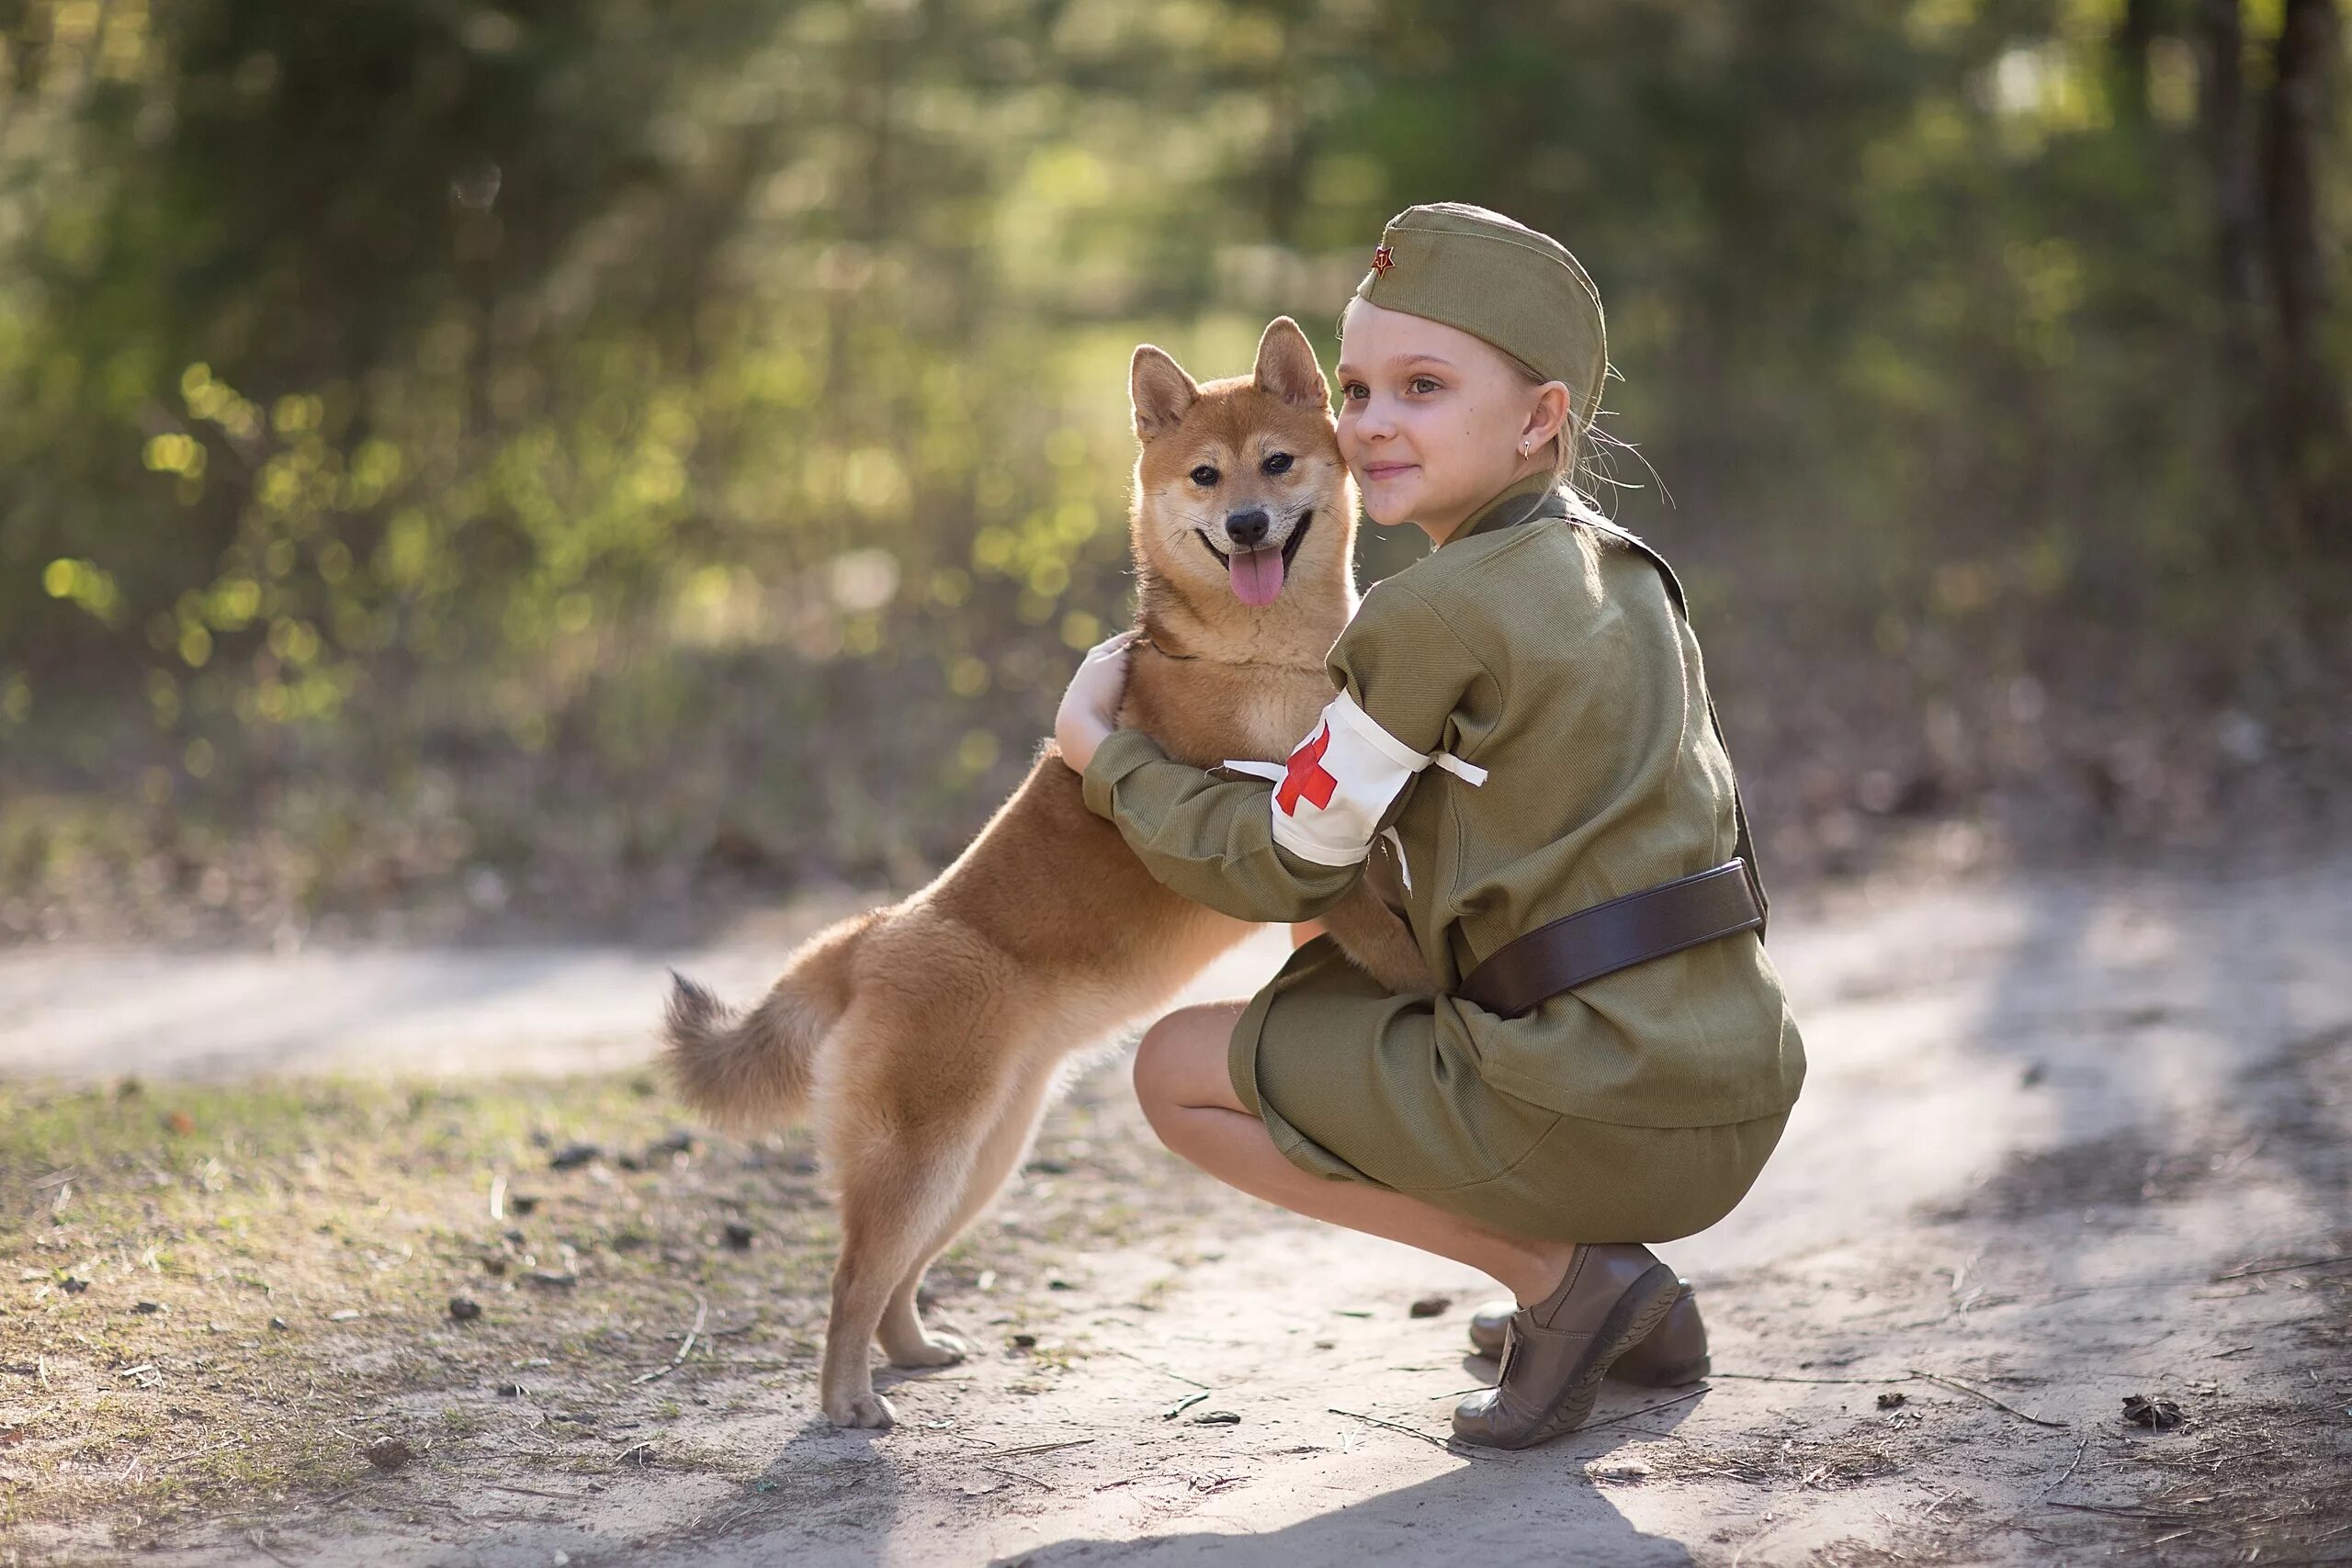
1429	1438
1163	1371
1032	1448
1783	1377
2122	1513
1184	1405
532	1492
2336	1261
2079	1449
1645	1410
702	1311
1955	1382
1016	1475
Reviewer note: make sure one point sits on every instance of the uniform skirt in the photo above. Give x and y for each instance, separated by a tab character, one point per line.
1355	1082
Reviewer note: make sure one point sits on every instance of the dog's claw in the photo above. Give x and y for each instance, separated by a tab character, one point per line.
937	1350
868	1409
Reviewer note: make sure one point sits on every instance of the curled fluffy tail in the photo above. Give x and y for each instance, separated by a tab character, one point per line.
754	1068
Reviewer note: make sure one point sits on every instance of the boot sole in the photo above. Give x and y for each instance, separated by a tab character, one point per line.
1630	1321
1674	1376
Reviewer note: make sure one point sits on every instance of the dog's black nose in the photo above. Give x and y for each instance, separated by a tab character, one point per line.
1247	529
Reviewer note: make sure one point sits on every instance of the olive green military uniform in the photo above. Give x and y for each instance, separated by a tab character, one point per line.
1638	1107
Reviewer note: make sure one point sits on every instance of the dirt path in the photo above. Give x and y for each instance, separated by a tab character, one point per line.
2065	1141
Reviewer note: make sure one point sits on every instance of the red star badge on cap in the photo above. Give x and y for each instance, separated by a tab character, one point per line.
1382	260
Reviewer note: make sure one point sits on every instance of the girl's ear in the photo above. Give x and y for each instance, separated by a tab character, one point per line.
1548	416
1286	366
1160	390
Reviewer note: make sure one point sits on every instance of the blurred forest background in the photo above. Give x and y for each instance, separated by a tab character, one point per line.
567	466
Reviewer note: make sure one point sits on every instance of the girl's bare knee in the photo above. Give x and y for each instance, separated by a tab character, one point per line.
1177	1056
1151	1068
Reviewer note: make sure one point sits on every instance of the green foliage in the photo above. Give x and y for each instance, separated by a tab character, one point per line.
628	402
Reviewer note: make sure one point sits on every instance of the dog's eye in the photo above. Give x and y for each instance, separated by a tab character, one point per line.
1204	476
1279	463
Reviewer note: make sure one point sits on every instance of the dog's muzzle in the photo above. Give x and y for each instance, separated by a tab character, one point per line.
1290	545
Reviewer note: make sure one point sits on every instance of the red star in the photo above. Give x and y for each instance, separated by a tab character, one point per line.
1382	260
1306	776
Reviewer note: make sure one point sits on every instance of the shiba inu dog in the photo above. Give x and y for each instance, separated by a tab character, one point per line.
925	1038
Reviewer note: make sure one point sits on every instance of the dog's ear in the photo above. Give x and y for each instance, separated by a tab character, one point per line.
1286	366
1161	391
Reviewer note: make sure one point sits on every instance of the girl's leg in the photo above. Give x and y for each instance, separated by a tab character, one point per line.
1181	1077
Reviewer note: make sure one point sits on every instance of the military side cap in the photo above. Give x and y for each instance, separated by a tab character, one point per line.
1498	280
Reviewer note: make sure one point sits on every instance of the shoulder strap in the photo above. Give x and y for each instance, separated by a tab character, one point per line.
1746	846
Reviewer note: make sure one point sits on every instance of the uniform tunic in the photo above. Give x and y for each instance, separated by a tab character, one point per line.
1638	1107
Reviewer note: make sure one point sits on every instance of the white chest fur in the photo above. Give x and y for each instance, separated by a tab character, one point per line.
1273	718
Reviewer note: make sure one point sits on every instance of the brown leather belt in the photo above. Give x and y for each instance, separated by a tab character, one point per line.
1568	952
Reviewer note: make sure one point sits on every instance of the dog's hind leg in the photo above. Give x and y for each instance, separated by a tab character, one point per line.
898	1188
901	1332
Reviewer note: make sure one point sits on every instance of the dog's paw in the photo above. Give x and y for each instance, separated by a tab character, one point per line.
867	1409
934	1351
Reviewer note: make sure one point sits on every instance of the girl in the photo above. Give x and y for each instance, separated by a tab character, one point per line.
1539	655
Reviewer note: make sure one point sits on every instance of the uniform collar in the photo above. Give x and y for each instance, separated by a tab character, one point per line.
1531	497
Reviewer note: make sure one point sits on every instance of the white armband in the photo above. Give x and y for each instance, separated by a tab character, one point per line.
1328	801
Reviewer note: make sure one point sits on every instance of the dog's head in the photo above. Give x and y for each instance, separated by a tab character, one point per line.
1243	505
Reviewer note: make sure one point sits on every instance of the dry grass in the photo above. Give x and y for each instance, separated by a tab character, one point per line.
351	1214
1809	1462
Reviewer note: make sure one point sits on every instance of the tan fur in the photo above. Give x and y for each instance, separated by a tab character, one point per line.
925	1038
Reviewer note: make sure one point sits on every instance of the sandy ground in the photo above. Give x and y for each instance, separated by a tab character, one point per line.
2064	1140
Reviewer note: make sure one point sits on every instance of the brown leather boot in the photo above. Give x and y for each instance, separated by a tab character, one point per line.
1674	1354
1557	1351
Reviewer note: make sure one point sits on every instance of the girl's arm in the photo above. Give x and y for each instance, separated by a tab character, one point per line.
1259	853
1209	838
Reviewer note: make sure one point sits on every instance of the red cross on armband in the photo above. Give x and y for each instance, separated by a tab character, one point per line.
1350	770
1305	775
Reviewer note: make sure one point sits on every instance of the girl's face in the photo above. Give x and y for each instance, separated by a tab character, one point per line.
1435	422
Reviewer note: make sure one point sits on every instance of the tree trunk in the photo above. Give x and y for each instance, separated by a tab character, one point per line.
2135	30
2244	376
2315	444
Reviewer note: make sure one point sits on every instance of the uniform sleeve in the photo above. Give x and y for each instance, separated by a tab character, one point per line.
1261	852
1404	665
1209	838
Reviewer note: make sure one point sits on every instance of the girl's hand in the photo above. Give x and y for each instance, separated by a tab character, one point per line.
1090	707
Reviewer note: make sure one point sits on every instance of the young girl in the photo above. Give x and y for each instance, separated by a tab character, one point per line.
1540	658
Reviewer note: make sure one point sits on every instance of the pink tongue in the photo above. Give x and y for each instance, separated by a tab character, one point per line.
1256	575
